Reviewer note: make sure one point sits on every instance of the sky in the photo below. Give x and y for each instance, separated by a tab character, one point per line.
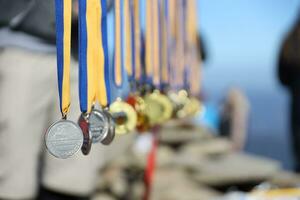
243	38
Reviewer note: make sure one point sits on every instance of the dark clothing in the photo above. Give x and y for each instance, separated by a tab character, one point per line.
295	126
289	76
289	60
35	17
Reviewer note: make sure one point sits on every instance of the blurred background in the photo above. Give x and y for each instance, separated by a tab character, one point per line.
239	144
243	40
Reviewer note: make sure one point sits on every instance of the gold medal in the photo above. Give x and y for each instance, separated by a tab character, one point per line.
168	108
138	103
124	116
195	106
179	100
153	109
158	107
184	106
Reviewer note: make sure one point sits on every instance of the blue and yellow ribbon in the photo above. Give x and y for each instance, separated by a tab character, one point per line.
93	54
137	40
156	43
186	48
118	55
63	43
165	43
118	76
149	43
129	39
195	60
171	30
177	32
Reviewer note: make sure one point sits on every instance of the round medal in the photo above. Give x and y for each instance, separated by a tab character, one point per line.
179	100
124	116
109	137
143	122
98	125
63	139
154	109
87	136
193	107
166	105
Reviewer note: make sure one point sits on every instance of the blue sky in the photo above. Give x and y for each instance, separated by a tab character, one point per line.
243	39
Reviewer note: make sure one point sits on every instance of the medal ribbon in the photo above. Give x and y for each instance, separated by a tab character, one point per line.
129	39
63	43
156	42
149	42
172	5
195	60
118	57
186	49
151	165
137	39
118	76
179	54
93	54
165	42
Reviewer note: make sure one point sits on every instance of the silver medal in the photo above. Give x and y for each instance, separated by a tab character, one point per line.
63	139
98	125
111	129
87	136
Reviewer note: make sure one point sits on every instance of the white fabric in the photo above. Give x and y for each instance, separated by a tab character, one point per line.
20	39
28	104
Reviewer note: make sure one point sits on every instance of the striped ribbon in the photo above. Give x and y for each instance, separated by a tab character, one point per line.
149	43
192	41
93	54
118	76
63	40
137	39
156	42
129	39
118	54
165	42
172	43
179	39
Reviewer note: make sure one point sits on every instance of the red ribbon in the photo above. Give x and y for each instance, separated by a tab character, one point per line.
151	164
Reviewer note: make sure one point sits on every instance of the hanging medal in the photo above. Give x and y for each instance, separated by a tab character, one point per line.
151	108
193	60
163	55
95	121
123	113
165	45
177	94
133	46
63	138
186	104
172	56
159	108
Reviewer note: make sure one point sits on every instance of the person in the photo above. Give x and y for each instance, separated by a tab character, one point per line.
29	104
289	76
234	118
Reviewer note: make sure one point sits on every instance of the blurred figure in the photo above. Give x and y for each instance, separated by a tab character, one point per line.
289	76
234	118
29	103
